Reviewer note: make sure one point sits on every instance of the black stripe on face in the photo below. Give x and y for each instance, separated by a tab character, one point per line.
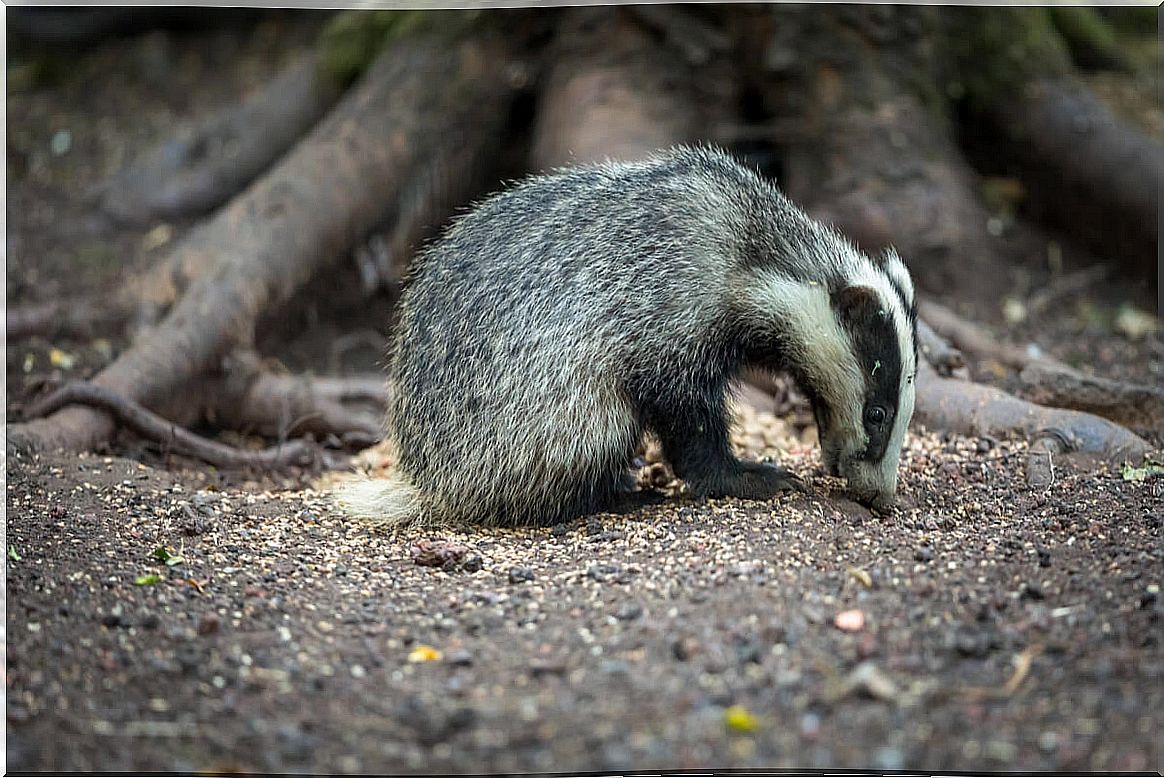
906	303
869	323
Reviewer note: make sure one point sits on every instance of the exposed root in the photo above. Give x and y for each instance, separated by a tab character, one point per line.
1133	405
937	351
876	159
258	251
974	338
153	427
254	398
1065	286
1041	461
209	162
1050	382
71	318
1086	168
971	409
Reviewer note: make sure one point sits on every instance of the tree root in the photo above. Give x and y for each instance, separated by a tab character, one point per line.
873	158
972	337
208	163
255	399
258	251
149	425
937	351
1050	382
966	408
1133	405
1085	169
69	318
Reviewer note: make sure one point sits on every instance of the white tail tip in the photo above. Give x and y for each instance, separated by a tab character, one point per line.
380	501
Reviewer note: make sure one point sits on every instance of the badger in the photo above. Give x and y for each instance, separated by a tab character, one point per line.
556	322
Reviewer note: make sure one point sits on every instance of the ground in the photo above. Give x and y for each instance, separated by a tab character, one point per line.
686	635
161	616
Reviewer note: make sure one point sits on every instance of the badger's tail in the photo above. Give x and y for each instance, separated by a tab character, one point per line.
390	500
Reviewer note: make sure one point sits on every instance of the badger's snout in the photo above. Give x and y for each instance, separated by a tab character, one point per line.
873	484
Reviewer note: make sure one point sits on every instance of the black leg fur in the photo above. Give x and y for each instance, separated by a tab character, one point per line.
695	442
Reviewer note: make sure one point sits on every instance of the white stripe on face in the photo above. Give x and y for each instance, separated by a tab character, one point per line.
818	345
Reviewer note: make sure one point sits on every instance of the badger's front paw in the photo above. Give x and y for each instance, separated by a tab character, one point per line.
755	481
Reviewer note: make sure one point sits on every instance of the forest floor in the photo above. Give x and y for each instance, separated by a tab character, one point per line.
162	616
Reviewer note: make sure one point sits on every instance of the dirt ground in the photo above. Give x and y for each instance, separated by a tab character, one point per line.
162	616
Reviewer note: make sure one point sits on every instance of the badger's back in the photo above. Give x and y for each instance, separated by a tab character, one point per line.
522	327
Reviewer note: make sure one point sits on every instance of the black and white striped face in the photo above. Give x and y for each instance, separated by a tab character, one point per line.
862	441
852	345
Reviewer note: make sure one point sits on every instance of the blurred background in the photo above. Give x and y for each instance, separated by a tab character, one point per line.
1012	155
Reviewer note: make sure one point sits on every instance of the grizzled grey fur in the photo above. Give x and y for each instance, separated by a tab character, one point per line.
555	322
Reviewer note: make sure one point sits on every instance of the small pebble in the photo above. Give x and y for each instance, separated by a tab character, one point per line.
685	648
208	624
61	142
850	620
1032	591
460	658
520	575
629	611
603	572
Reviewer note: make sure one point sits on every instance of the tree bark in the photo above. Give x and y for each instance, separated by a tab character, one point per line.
612	92
873	153
1086	170
208	162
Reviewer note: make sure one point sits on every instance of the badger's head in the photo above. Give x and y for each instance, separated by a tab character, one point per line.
850	342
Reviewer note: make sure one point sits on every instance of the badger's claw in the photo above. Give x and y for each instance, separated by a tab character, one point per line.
756	481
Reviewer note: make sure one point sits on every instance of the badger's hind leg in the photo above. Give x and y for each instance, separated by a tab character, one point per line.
581	466
695	441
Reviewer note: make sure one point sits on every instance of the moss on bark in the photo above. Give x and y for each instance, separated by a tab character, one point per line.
995	52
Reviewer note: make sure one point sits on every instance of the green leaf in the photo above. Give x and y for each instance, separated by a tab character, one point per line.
167	555
13	554
147	580
1141	473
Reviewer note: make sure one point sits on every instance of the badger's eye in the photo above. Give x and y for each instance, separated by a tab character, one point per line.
875	415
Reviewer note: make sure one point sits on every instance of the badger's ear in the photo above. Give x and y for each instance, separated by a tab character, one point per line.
857	305
894	267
